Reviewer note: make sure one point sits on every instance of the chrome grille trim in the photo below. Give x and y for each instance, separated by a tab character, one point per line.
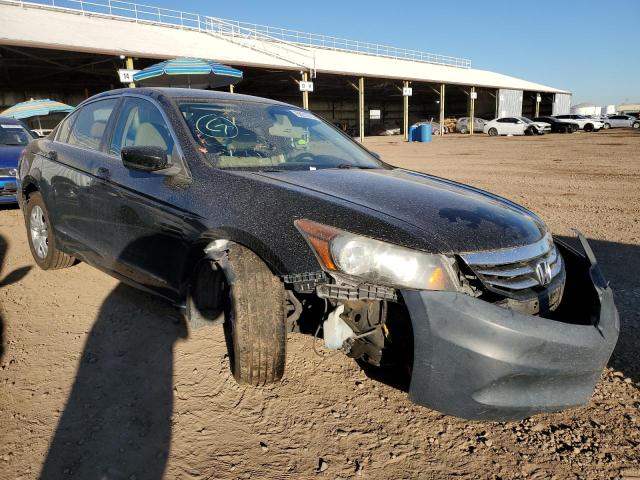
510	255
6	172
515	268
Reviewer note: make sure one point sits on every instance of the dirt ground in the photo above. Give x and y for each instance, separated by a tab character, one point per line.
99	381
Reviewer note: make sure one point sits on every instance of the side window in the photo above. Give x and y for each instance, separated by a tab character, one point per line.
141	124
503	120
87	130
65	128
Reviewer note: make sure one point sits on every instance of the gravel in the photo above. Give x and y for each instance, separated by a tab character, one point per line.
98	380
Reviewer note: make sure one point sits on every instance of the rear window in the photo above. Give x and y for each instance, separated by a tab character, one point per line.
12	135
91	123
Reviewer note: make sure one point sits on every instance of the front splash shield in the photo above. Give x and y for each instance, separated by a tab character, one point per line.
476	360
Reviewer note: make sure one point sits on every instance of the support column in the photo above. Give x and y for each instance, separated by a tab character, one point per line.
361	108
305	94
472	110
405	113
231	88
538	98
130	67
442	93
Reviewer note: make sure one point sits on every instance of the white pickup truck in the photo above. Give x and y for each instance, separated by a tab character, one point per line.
585	123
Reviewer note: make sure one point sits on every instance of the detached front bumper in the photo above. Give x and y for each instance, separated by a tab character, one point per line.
475	360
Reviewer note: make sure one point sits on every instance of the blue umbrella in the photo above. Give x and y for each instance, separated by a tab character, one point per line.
35	108
191	72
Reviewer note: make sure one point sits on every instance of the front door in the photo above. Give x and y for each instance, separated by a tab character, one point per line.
145	237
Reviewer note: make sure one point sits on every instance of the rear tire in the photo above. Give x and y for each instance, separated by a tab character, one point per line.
493	132
41	236
606	126
636	125
255	320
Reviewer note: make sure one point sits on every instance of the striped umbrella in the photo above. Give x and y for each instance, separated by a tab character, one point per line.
35	108
190	72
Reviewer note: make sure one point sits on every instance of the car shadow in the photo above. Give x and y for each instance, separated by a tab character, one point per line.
117	420
12	277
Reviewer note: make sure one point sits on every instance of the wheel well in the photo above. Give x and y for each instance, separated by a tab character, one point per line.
28	189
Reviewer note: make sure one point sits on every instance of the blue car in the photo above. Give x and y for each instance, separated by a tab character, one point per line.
14	136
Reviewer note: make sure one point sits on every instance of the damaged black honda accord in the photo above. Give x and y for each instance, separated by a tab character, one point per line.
263	217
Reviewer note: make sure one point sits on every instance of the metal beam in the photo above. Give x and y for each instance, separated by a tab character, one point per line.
305	94
130	67
361	108
442	95
473	110
405	112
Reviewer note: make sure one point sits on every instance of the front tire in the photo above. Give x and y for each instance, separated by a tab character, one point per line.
636	125
464	130
41	237
493	132
588	127
255	320
606	126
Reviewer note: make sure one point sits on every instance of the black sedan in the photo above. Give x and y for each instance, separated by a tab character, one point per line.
558	126
264	217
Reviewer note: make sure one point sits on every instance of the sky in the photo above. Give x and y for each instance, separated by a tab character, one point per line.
591	48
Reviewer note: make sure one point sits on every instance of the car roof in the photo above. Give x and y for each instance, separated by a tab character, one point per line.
185	93
11	121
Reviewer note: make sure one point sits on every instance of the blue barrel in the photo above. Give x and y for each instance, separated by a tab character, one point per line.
424	133
413	134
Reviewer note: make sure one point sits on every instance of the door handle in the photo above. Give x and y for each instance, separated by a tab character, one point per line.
103	173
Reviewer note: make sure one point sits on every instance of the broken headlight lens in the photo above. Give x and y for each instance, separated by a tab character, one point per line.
377	262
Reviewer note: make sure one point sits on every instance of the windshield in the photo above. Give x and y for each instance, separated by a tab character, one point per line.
12	135
256	136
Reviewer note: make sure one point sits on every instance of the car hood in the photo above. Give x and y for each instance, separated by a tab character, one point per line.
9	156
454	217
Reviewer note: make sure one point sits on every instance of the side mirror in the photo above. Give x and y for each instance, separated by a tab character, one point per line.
144	158
376	154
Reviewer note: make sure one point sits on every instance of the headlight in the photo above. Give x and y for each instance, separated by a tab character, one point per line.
377	262
13	172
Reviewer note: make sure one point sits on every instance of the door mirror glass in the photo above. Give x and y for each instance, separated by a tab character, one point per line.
144	158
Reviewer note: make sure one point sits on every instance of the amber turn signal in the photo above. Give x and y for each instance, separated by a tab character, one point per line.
319	237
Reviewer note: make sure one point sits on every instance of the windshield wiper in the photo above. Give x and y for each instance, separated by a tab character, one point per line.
350	165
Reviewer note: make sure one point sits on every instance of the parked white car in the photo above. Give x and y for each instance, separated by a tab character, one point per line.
585	123
513	126
618	121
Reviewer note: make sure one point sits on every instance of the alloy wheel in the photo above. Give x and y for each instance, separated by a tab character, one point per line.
39	232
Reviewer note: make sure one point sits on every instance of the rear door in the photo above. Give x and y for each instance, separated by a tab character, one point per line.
144	235
69	170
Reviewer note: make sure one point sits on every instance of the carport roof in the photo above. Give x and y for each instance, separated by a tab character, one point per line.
61	29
